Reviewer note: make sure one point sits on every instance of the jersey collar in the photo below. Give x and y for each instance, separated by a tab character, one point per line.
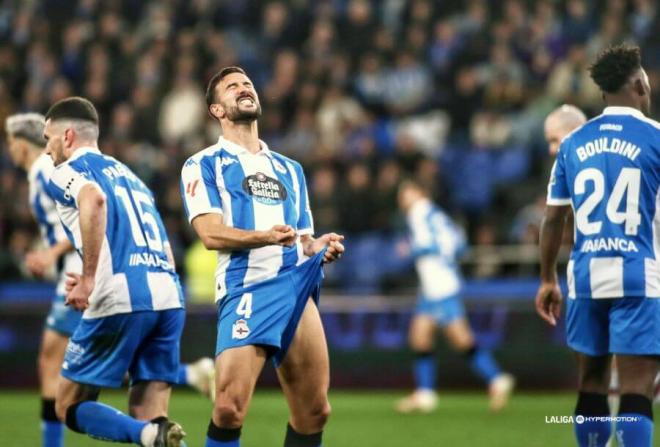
82	151
237	149
38	164
621	110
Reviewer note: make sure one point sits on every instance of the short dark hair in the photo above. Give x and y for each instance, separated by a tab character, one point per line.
215	80
614	66
74	107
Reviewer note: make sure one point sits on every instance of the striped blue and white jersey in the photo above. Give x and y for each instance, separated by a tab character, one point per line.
134	272
251	192
436	244
608	170
50	227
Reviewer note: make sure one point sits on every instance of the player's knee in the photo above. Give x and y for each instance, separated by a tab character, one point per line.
315	416
229	412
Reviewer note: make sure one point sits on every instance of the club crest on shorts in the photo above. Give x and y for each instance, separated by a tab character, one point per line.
240	330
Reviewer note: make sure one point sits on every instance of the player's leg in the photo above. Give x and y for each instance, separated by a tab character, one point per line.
237	370
153	371
51	353
76	406
635	419
98	355
635	339
199	375
500	385
587	333
305	378
421	338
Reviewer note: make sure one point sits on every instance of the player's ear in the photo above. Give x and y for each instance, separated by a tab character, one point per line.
69	136
217	111
638	86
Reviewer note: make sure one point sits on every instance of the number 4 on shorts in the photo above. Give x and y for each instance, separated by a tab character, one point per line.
245	306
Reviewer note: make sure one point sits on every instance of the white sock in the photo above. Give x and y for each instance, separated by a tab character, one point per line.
148	435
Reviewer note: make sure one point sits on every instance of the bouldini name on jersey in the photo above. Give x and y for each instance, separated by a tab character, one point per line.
148	259
264	189
604	145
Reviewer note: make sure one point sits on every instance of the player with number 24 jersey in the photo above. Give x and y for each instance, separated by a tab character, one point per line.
608	170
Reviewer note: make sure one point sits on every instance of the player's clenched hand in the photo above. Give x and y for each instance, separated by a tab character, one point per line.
78	290
548	302
333	242
39	261
282	235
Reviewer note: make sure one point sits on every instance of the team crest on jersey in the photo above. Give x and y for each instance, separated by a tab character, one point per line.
278	167
240	330
264	189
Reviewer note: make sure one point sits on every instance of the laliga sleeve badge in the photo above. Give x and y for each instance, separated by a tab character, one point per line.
240	330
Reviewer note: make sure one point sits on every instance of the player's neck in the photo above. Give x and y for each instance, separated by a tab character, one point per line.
622	101
243	134
30	157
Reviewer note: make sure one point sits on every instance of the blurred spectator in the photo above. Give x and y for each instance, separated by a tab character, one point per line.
362	92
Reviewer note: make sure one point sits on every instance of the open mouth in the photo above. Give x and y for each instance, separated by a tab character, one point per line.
246	100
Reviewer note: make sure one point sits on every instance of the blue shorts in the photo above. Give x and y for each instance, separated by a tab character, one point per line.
614	326
443	311
62	318
268	313
146	344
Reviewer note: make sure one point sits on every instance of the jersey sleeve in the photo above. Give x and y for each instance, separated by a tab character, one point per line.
66	183
305	224
199	190
421	234
558	192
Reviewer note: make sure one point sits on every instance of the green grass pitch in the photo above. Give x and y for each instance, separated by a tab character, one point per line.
359	419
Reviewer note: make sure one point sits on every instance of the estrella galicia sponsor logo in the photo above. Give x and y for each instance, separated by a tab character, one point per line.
264	189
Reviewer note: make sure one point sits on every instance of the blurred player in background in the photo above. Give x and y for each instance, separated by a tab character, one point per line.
251	205
129	291
607	170
436	245
25	134
559	123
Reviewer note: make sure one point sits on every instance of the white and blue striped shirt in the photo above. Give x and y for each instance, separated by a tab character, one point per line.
133	272
50	227
251	192
436	244
608	170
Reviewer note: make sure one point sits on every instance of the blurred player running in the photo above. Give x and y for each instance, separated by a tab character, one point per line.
131	296
25	138
436	244
607	170
251	205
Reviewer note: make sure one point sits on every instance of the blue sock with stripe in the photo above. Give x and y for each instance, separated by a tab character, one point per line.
101	421
483	364
634	425
589	430
52	430
182	374
222	437
425	370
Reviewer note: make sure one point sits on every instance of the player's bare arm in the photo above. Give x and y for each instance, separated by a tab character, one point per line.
92	206
548	297
39	261
312	245
215	235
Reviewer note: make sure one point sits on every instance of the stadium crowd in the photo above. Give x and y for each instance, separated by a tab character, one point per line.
362	92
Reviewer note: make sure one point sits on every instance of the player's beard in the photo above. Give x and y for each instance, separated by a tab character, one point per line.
236	115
